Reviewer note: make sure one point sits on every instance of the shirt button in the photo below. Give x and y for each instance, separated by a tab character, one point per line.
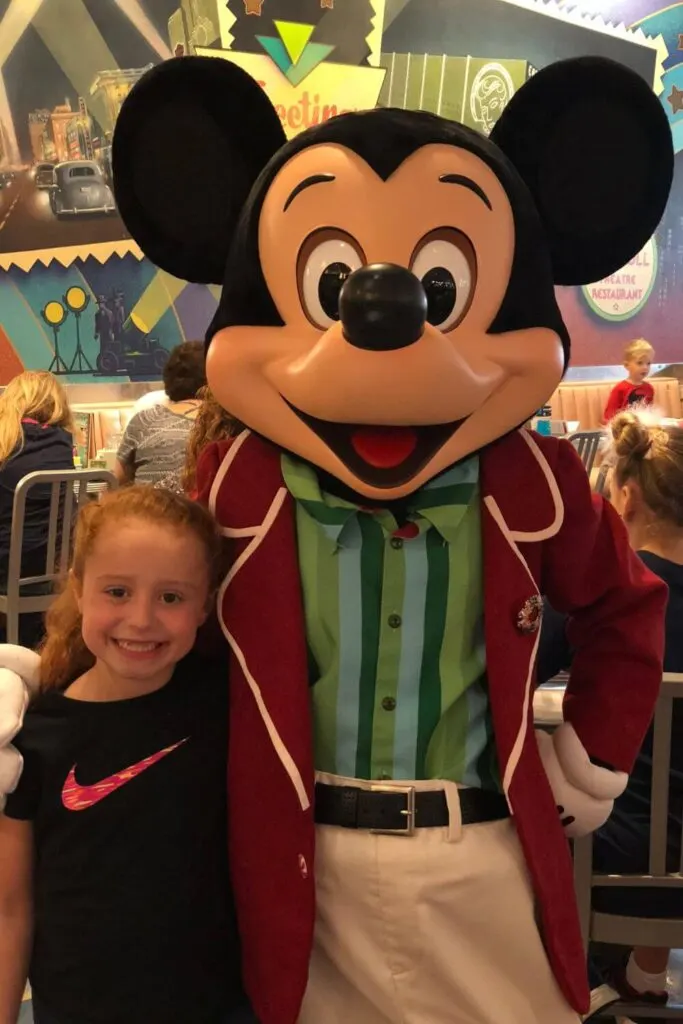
389	704
396	543
303	866
394	621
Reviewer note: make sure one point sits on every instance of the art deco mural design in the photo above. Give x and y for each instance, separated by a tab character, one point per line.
67	65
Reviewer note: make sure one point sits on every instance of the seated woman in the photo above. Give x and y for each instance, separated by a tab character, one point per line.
153	447
36	433
646	488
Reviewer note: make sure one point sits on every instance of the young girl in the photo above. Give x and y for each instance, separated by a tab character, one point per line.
114	890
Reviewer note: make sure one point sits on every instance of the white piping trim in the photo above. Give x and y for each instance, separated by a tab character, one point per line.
257	538
259	533
284	755
241	531
521	536
225	465
518	745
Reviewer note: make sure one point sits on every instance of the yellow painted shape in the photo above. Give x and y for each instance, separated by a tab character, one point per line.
295	37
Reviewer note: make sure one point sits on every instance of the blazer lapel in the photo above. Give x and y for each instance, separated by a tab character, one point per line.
521	508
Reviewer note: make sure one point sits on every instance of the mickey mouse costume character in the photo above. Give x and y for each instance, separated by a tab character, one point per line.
387	321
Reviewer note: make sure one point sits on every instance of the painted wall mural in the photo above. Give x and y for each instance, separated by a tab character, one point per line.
76	294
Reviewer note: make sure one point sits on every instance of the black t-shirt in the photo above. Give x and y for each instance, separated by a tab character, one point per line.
44	447
134	919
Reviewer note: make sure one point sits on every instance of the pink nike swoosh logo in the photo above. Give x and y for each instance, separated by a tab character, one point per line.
78	798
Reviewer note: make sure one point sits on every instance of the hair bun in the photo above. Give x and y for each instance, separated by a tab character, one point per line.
631	436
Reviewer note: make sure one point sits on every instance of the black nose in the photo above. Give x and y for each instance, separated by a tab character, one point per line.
382	307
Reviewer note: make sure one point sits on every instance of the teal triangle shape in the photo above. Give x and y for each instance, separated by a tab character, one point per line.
275	49
314	54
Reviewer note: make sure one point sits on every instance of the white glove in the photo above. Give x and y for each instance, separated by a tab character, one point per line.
24	662
584	792
19	671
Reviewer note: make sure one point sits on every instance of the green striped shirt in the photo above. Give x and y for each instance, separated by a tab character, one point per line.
395	631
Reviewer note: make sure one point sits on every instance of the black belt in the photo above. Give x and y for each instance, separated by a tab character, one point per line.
401	809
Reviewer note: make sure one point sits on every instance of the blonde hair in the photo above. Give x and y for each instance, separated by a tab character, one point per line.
36	395
639	347
212	423
64	655
652	456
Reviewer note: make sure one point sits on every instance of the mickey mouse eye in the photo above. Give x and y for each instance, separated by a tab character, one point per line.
326	259
446	264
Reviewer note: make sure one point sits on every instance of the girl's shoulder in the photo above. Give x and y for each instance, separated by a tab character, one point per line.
44	718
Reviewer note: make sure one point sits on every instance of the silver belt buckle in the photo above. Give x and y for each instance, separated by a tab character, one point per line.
409	813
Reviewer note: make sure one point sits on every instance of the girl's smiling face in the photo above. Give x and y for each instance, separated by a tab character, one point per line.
142	598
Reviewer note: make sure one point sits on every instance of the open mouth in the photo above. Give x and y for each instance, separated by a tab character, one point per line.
380	456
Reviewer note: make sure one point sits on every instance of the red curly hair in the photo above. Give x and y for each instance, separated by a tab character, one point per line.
64	655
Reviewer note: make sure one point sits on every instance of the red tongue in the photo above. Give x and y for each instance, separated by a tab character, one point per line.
384	447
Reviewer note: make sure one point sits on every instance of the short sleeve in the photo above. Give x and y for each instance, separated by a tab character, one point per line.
130	440
23	803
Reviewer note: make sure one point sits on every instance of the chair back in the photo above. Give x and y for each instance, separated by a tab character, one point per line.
587	443
68	493
617	928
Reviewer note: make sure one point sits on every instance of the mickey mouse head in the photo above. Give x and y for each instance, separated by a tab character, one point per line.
388	301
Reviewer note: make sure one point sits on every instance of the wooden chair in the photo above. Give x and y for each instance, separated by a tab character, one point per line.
68	492
620	929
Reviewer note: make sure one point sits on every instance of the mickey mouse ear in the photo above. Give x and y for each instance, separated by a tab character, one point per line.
190	140
593	144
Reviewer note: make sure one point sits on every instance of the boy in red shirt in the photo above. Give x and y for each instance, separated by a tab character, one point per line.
638	356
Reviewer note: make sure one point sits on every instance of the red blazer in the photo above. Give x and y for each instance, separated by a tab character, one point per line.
543	533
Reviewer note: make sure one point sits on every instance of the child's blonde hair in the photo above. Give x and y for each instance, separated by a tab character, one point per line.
639	347
36	395
64	655
652	456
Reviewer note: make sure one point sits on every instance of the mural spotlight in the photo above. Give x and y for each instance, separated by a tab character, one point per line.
77	301
54	314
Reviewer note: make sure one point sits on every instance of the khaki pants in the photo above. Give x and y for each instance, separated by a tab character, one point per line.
437	928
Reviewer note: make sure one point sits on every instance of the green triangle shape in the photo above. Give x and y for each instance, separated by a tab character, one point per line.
276	51
314	54
295	36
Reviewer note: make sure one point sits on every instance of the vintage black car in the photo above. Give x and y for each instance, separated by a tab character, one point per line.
79	189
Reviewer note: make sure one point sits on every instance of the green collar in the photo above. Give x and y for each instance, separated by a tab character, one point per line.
441	503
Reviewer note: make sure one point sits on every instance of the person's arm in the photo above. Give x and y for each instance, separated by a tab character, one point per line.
616	610
16	913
